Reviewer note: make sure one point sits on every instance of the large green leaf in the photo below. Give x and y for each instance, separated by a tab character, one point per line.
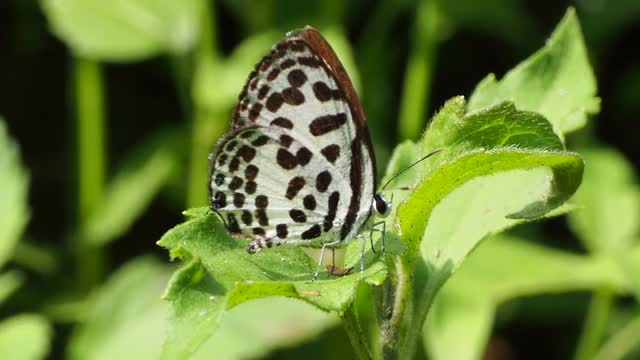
269	323
125	30
220	274
14	184
127	318
609	199
608	218
133	188
494	140
503	268
557	81
24	337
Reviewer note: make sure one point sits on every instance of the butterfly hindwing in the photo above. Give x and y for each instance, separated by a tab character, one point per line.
297	166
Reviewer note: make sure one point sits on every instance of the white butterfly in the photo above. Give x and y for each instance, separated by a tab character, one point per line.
297	166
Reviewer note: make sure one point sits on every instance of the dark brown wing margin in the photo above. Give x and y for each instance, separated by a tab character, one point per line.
321	47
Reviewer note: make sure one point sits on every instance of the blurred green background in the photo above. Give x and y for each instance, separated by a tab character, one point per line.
115	105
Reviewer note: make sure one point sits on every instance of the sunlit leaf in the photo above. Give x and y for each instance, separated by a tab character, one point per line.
221	274
609	201
133	188
503	268
269	323
14	184
127	318
9	282
557	81
24	337
125	30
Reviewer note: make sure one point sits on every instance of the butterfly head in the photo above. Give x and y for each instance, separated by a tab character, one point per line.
381	206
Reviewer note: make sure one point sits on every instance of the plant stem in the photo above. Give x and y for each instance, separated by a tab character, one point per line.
623	342
355	333
35	258
410	341
203	128
595	325
89	93
396	325
419	73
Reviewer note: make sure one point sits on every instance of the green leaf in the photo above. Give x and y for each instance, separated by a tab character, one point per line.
133	188
9	282
609	197
229	75
607	221
497	126
125	30
269	323
14	184
494	140
461	319
127	318
557	81
24	337
221	274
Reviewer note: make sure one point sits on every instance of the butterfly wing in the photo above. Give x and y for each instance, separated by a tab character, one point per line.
297	166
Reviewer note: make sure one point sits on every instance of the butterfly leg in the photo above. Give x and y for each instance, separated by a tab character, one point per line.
364	244
377	228
324	246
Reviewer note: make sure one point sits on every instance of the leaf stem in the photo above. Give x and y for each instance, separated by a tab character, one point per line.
596	323
91	150
623	342
410	341
419	73
356	335
202	134
399	318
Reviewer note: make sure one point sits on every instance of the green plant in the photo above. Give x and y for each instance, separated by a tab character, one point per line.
504	162
477	247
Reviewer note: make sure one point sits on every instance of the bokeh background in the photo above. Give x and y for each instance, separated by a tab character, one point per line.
115	106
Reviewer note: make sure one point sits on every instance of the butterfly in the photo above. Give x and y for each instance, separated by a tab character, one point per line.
297	166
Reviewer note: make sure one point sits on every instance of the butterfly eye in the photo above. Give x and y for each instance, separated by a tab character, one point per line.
381	205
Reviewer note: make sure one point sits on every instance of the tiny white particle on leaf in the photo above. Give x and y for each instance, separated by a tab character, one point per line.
212	297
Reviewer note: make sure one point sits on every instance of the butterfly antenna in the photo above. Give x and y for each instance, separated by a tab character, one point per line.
435	151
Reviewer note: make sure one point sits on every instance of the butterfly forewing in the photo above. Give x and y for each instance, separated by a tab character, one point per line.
297	166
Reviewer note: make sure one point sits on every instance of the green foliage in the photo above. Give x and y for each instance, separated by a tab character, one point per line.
125	30
24	337
557	81
499	166
220	275
126	317
448	265
14	212
459	325
133	187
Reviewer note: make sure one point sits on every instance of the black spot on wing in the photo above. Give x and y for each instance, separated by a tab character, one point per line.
250	172
238	200
297	215
311	233
309	202
327	123
331	152
282	122
334	199
282	231
295	185
323	180
286	159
